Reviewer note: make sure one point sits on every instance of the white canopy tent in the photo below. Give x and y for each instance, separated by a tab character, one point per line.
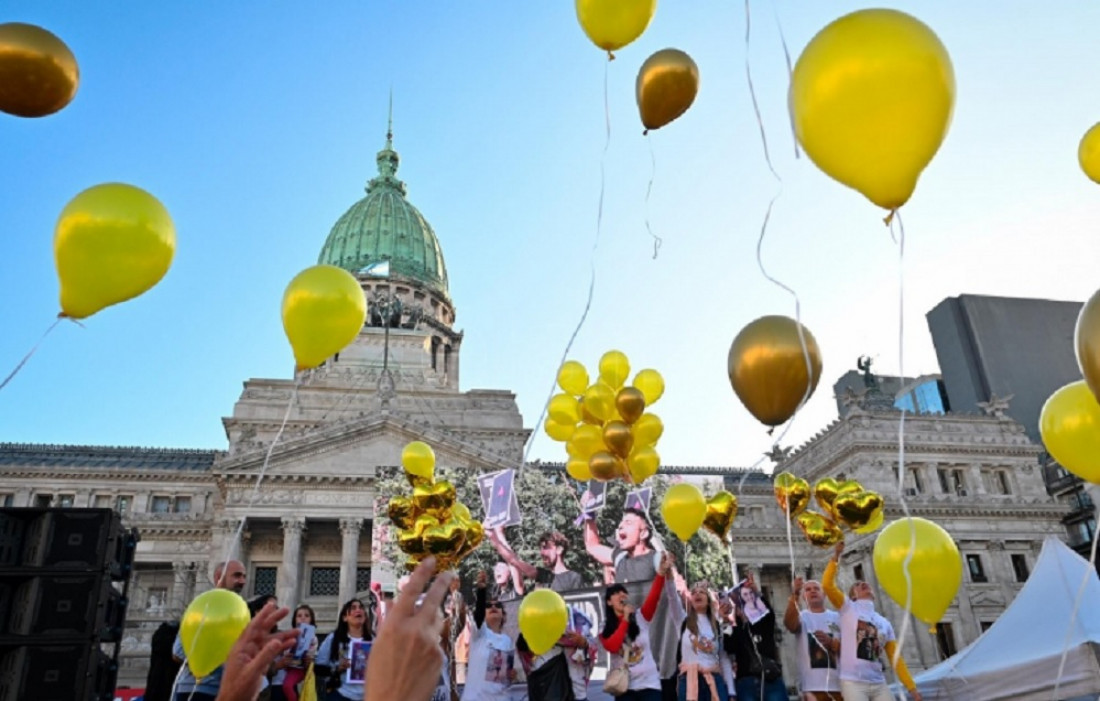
1018	657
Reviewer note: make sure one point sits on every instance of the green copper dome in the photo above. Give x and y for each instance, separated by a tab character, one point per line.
384	226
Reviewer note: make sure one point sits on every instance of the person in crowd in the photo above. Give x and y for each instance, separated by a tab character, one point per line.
228	575
335	654
864	638
633	556
291	667
406	665
579	643
163	667
492	654
455	612
700	646
817	639
552	548
626	636
759	674
507	583
547	674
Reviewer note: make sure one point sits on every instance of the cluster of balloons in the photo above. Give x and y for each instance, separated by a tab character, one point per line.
431	521
209	628
871	98
668	80
324	309
38	72
934	572
1070	420
604	425
845	503
770	370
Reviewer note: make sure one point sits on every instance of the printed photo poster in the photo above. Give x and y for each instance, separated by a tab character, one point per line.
748	600
499	668
639	500
305	639
498	499
358	655
594	497
867	642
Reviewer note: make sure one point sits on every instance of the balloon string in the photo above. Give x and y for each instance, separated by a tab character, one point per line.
790	71
592	270
1090	572
657	241
752	91
790	541
263	470
32	351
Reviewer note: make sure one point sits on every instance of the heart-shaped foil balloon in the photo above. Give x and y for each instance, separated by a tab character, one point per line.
444	539
721	510
475	532
618	438
411	540
402	512
791	493
435	499
825	492
820	531
631	404
858	509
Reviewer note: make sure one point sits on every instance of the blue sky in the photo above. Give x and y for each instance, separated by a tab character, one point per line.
257	125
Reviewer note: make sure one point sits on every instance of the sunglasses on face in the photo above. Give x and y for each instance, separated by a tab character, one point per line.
496	605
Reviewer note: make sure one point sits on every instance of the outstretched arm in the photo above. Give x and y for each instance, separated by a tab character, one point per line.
500	543
901	669
599	552
828	581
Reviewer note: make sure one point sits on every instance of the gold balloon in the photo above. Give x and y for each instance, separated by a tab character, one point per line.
791	493
666	86
630	403
418	460
559	432
578	470
586	440
825	492
604	466
1070	427
402	511
614	369
877	519
411	540
647	430
857	510
435	499
445	539
767	368
617	438
38	72
461	512
563	408
642	464
819	531
112	243
473	532
572	378
721	510
1087	340
651	384
612	24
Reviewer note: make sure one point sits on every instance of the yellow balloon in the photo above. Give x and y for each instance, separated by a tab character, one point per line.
1088	153
559	432
647	430
612	24
643	464
1070	426
112	242
683	510
599	401
767	368
564	409
578	470
572	378
1087	340
651	385
935	570
874	524
871	97
543	618
38	72
666	86
209	628
614	369
586	440
323	311
418	459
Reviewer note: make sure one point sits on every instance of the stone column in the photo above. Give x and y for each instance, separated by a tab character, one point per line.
977	484
286	588
349	556
222	545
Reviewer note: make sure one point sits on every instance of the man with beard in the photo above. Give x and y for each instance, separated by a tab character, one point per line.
552	548
229	575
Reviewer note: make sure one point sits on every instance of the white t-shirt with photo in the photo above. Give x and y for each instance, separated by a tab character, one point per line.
638	655
700	649
817	671
863	637
352	692
492	656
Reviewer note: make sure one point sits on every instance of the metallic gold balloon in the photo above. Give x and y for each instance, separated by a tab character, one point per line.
1087	339
435	499
323	311
820	531
614	369
402	511
111	243
857	510
572	378
618	438
767	368
612	24
666	86
445	539
642	464
791	493
1070	426
630	403
825	492
652	385
603	466
877	519
647	430
721	510
38	72
418	461
461	512
474	533
411	540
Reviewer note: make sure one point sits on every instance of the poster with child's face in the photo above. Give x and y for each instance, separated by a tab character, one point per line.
357	655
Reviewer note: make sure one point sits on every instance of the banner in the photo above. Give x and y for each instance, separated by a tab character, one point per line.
498	499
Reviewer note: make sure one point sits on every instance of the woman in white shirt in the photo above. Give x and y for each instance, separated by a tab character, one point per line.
490	670
334	656
626	636
700	646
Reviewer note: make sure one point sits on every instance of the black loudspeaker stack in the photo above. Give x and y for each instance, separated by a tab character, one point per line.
64	579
